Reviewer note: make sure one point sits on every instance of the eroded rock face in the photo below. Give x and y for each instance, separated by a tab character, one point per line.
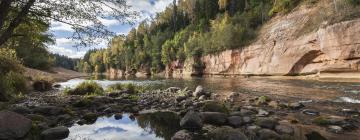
279	50
13	125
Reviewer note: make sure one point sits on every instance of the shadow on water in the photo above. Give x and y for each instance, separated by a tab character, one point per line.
152	126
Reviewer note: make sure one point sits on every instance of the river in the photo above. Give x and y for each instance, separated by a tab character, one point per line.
283	88
161	126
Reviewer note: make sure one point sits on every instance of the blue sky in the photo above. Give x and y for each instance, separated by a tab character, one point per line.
64	46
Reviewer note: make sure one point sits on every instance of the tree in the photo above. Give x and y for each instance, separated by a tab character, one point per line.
76	13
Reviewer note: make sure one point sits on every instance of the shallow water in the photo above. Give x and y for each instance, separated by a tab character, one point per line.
294	88
154	126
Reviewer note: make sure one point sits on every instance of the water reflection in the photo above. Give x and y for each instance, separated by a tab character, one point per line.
155	126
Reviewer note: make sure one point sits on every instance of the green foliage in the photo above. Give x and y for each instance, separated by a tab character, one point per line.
83	102
12	83
188	30
30	42
283	6
86	88
65	62
354	2
131	88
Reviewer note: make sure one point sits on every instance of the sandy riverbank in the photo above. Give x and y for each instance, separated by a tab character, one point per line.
55	74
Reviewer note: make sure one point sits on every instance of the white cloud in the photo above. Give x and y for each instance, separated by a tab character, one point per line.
64	46
58	26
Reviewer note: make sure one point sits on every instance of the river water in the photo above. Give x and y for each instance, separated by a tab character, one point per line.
289	88
162	125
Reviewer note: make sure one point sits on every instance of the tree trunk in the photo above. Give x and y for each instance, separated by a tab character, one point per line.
16	22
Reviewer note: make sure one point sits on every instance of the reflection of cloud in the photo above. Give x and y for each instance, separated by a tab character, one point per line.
111	129
104	129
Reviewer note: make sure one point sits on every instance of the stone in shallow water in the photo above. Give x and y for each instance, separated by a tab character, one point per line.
314	136
56	133
262	113
335	129
182	135
267	134
198	91
235	121
214	118
118	116
227	133
191	120
284	129
13	125
267	123
296	105
311	112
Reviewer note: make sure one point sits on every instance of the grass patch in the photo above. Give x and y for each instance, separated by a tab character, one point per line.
87	88
130	87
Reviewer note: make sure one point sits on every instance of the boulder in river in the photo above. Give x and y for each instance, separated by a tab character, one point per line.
192	120
314	136
182	135
198	91
267	123
227	133
56	133
215	118
284	129
235	121
213	106
13	125
267	134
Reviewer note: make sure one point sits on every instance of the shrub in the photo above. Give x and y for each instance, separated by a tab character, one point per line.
354	2
86	88
283	6
12	83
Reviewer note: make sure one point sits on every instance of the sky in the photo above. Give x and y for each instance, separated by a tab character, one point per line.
61	32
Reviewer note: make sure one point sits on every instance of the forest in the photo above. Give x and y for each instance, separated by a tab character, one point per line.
187	29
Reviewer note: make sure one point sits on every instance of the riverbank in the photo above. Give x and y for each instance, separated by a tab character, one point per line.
55	74
204	114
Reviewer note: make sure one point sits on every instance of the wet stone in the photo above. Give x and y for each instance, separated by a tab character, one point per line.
214	118
235	121
182	135
262	113
314	136
192	120
227	133
56	133
284	129
335	129
267	134
267	123
311	112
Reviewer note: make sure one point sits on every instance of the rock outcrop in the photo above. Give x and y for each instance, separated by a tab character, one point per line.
281	49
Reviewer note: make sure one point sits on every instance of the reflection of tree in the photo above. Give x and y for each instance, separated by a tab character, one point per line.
163	124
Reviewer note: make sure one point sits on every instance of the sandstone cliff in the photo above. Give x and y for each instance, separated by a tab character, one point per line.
284	48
